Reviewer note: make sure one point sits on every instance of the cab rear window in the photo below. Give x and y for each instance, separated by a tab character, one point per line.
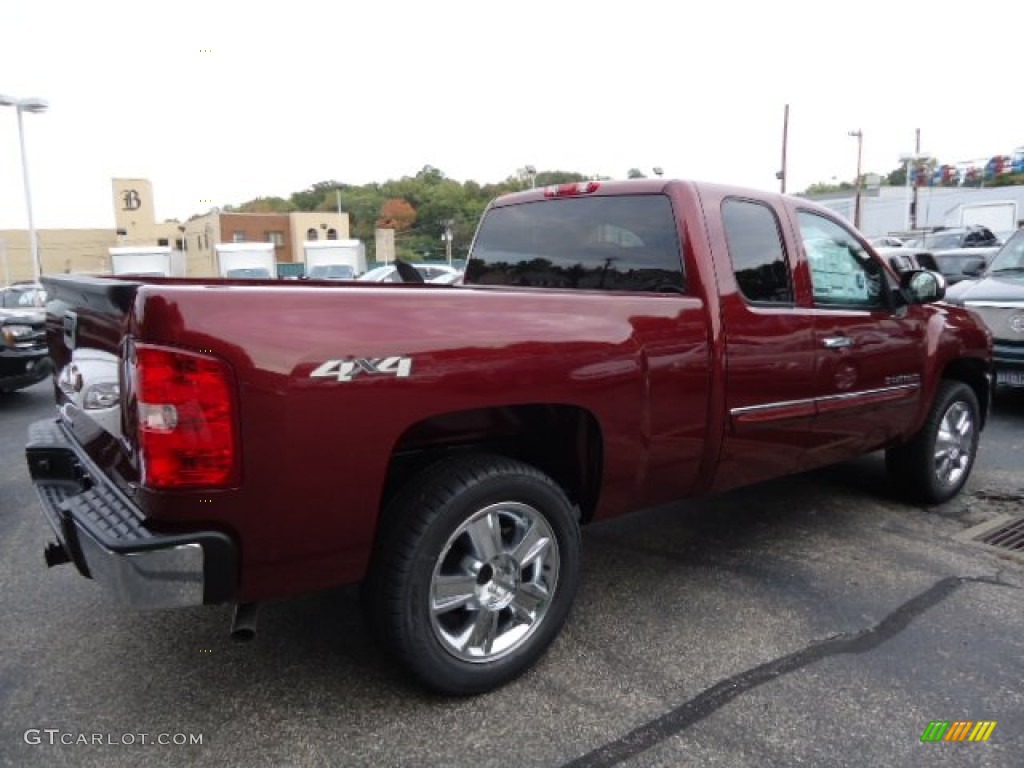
626	243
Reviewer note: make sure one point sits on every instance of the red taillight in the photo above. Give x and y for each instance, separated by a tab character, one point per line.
571	189
186	419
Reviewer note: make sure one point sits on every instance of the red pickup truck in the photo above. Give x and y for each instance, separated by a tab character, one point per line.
616	345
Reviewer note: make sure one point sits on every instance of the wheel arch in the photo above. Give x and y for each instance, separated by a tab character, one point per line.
563	441
973	373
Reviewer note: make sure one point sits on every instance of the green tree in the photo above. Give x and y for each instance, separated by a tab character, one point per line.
362	205
266	205
311	199
897	177
547	178
823	188
1006	180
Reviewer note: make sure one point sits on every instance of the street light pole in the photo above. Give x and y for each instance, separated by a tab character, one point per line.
913	161
859	134
917	153
781	175
27	105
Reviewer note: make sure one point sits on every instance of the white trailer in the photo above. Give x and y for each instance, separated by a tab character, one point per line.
246	260
327	259
147	260
997	215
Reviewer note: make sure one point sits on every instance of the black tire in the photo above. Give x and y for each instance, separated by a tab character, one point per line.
475	571
934	466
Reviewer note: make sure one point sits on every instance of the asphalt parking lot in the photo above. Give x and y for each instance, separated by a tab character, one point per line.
808	621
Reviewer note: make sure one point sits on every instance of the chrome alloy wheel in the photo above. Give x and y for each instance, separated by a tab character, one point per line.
953	443
493	582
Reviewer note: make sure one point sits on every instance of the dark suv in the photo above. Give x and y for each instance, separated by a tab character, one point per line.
24	358
958	237
960	252
998	297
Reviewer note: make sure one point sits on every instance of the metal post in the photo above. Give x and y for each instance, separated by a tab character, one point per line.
917	159
3	255
906	218
785	140
207	229
859	134
37	269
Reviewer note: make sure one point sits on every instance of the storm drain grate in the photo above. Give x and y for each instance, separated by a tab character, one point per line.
1002	536
1009	536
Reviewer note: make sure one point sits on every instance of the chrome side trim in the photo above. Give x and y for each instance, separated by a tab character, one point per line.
781	405
996	304
789	405
868	393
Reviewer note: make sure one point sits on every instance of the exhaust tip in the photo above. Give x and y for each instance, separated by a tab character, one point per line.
243	623
243	634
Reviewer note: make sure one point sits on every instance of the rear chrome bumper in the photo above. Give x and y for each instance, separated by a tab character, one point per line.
104	533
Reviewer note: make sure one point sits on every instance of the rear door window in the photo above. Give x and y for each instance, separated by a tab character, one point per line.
756	249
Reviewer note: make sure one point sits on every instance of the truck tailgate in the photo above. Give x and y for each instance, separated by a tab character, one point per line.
87	321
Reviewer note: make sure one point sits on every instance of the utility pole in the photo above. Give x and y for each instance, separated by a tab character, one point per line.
859	135
917	159
448	240
781	175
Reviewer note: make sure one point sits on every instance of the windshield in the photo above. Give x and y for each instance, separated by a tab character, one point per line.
942	240
1011	256
378	274
332	272
22	297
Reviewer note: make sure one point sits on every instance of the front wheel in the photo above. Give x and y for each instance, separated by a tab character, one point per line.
934	466
475	573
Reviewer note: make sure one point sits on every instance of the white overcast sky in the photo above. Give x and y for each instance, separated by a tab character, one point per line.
298	92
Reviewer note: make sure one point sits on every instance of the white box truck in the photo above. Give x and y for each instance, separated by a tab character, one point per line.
997	215
246	260
147	261
334	259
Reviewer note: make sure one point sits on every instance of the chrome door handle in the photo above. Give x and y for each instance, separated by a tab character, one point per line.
837	342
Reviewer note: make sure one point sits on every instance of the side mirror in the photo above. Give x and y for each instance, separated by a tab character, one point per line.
923	286
974	267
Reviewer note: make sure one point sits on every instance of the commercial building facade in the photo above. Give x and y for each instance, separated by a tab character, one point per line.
86	250
887	210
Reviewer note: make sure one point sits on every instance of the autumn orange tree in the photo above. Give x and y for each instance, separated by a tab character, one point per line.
396	214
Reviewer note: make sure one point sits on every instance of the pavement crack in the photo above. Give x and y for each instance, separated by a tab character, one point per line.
997	496
680	718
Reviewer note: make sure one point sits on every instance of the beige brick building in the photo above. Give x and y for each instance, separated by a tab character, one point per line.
60	250
85	250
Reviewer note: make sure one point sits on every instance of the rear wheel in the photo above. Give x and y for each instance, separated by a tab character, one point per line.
934	466
475	573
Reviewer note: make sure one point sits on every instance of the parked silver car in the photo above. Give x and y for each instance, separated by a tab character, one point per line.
998	298
389	273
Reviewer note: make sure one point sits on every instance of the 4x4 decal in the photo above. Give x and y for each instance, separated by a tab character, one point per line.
350	367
